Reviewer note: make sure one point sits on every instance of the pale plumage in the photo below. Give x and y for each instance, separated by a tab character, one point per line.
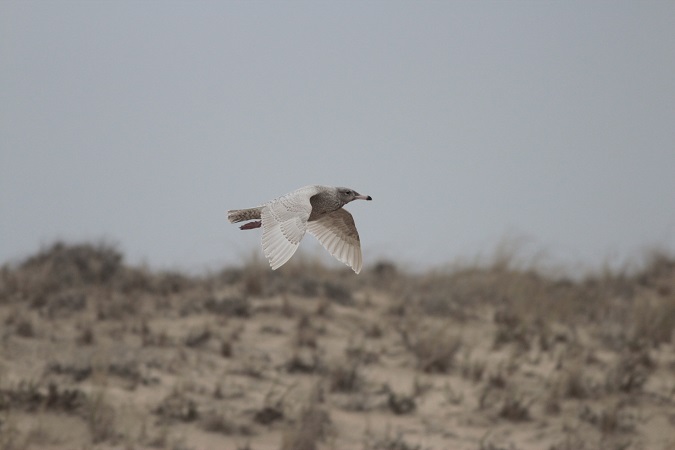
317	209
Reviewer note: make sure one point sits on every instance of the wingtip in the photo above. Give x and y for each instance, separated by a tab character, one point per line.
357	266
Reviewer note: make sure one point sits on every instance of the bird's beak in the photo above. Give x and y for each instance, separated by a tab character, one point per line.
363	197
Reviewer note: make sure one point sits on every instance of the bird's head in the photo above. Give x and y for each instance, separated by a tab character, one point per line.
346	195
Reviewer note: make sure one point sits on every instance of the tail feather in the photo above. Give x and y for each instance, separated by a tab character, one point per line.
240	215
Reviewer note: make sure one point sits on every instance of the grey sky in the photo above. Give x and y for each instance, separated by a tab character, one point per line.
143	122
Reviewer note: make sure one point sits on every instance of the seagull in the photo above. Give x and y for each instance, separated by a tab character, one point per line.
317	209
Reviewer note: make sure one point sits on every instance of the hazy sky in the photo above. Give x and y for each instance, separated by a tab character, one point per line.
467	122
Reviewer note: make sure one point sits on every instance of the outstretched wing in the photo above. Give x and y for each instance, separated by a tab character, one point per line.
284	222
337	233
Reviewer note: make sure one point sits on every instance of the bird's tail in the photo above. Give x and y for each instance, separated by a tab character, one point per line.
240	215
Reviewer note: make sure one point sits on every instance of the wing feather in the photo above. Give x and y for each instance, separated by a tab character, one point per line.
337	233
284	222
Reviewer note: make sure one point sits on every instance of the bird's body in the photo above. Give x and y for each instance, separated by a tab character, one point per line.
317	209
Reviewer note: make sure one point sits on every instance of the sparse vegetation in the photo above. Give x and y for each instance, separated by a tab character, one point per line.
312	426
515	408
220	422
434	348
388	441
177	406
100	417
310	357
344	375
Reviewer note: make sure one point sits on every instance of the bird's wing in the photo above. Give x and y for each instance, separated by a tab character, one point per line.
284	222
337	233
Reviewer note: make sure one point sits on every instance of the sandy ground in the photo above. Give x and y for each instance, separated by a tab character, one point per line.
96	354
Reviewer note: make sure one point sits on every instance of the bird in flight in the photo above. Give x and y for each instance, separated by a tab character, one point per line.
317	209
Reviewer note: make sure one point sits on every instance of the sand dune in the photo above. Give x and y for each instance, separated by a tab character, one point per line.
95	353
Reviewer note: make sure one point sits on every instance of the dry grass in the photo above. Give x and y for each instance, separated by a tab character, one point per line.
499	355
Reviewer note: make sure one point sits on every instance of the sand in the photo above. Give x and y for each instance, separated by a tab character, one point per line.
97	354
